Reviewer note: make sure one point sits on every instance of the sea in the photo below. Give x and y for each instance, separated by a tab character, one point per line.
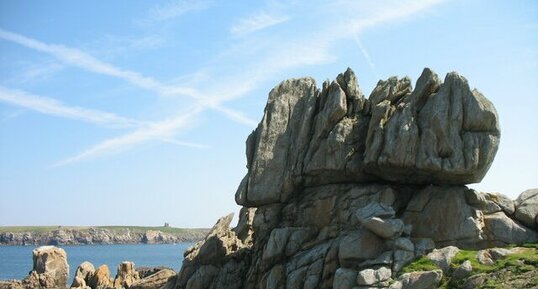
16	261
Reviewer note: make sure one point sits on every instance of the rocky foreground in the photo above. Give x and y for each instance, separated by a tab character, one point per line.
348	192
51	270
98	235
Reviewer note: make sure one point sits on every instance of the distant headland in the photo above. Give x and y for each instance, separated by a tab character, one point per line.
80	235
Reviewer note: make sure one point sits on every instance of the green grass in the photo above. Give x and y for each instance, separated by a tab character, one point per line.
422	264
520	262
144	229
20	229
135	229
525	260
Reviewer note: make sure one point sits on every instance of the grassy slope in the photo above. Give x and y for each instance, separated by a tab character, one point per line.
44	229
523	264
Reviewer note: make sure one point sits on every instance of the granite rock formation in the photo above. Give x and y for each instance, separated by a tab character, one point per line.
50	268
343	191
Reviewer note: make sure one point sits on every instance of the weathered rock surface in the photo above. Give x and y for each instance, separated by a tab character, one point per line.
155	281
83	275
50	268
442	133
126	275
442	257
420	280
527	208
101	278
452	216
11	284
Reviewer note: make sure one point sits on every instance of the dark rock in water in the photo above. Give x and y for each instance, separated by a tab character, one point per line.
339	186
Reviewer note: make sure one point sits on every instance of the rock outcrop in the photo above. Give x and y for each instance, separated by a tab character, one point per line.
157	280
126	276
50	268
83	276
343	191
101	278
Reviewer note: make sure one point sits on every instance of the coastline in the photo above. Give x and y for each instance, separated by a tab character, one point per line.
105	235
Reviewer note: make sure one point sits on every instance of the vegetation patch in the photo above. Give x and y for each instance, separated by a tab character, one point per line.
516	270
422	264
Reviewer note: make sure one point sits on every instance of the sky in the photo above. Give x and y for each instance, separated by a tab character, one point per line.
137	112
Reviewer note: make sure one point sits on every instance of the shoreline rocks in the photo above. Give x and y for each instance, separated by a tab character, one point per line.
51	271
50	268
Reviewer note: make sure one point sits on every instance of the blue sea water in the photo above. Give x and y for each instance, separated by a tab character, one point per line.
16	261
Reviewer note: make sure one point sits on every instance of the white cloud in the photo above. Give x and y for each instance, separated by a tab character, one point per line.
176	9
54	107
255	22
311	49
366	56
85	61
163	130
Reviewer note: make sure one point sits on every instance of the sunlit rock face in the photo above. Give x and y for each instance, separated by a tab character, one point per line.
343	191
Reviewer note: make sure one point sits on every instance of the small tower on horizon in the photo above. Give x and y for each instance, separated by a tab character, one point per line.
166	225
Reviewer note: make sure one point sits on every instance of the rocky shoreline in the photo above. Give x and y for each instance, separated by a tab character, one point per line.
90	236
51	270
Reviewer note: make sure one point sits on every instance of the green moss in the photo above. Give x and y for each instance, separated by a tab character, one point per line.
530	245
422	264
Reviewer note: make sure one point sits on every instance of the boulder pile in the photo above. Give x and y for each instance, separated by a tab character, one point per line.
343	191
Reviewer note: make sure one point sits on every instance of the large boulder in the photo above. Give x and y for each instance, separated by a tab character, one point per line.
101	278
83	275
50	268
452	215
420	280
126	275
527	208
441	133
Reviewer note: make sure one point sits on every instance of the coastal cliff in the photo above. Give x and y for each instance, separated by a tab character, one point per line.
98	235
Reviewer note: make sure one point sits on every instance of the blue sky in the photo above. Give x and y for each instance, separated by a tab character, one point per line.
136	112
